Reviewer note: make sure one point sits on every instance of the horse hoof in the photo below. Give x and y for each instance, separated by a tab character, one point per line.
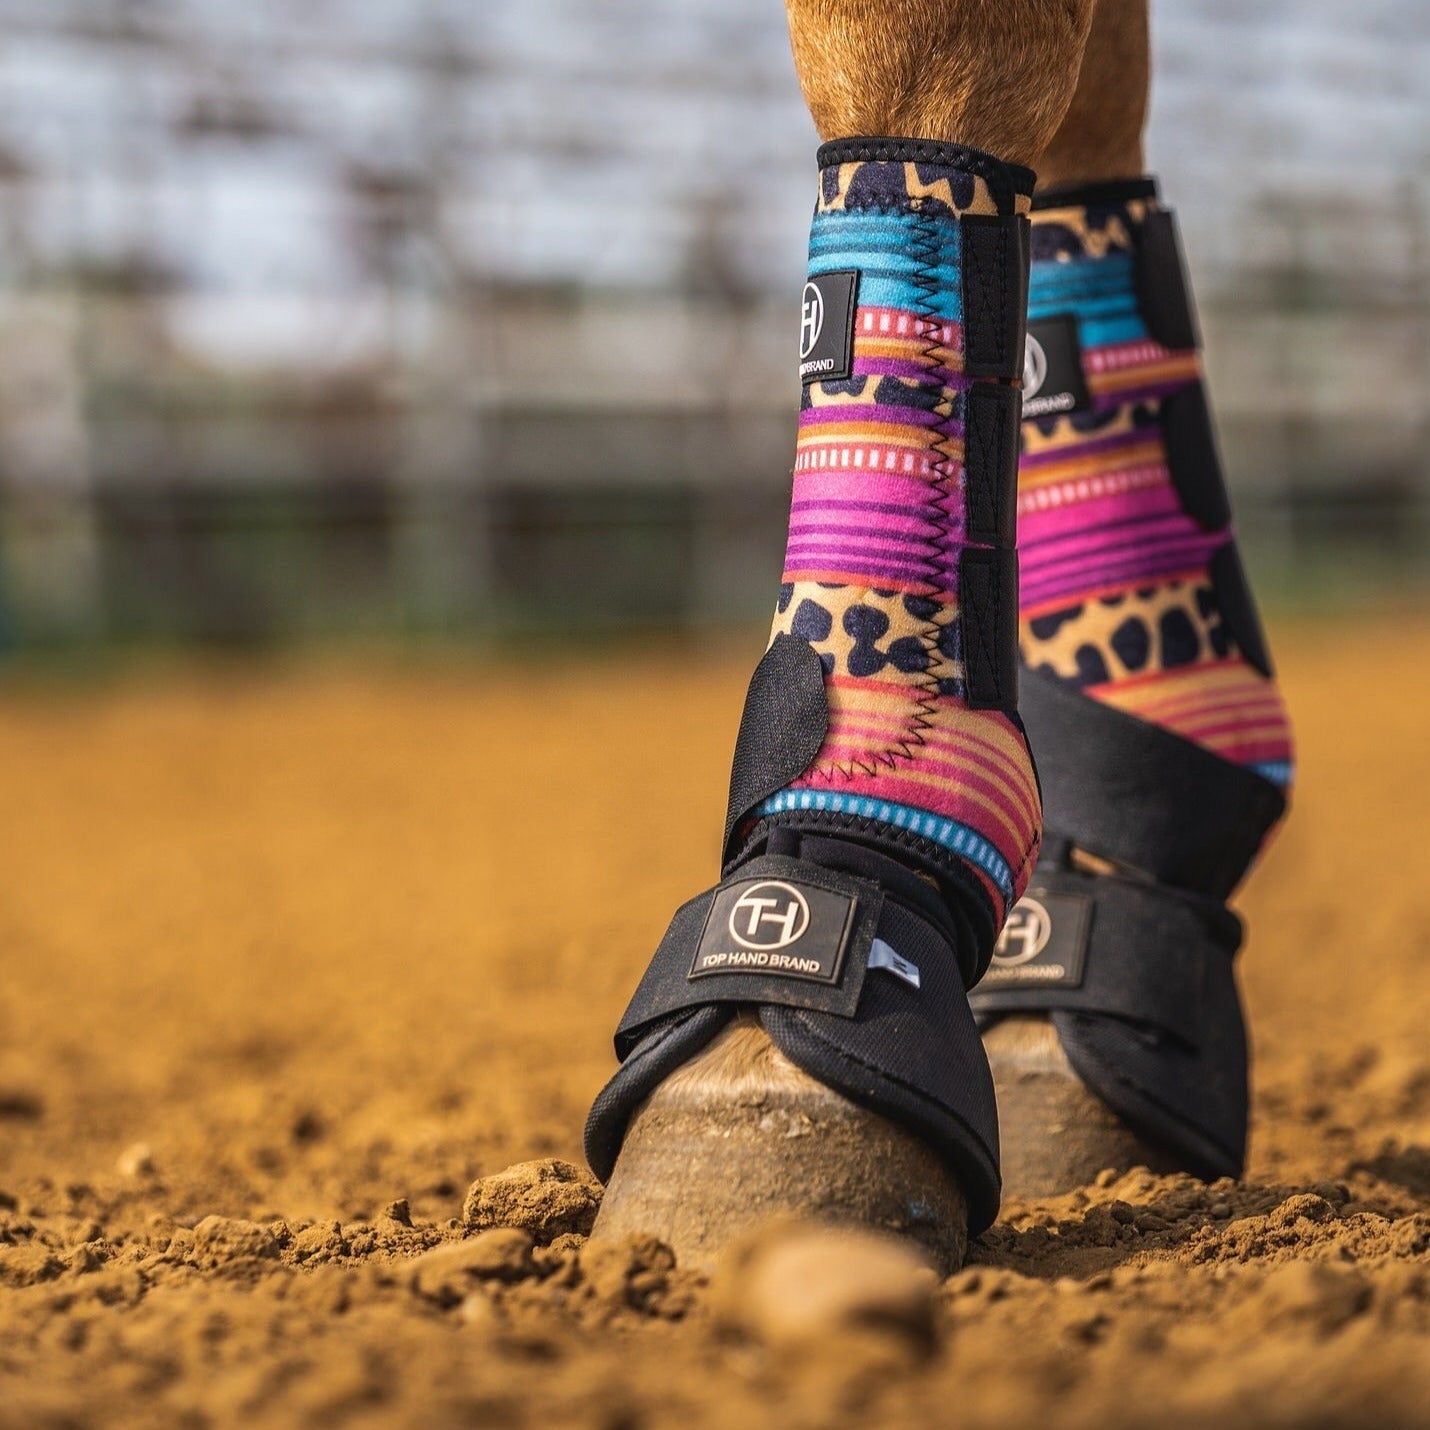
1055	1133
740	1137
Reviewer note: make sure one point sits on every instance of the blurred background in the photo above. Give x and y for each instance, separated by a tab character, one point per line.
431	321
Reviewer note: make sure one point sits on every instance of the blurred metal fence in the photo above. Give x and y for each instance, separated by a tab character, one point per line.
397	316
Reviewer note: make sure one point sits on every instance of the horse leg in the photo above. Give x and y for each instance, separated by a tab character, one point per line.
880	758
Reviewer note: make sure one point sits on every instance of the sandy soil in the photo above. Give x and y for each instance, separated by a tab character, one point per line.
291	960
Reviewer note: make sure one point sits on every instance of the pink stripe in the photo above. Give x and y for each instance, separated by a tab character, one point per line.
996	760
1117	357
1142	505
864	458
1016	792
942	800
874	322
1076	490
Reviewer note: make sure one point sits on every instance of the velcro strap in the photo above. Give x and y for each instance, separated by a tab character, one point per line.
990	464
1100	944
988	625
1125	790
1163	294
995	294
779	931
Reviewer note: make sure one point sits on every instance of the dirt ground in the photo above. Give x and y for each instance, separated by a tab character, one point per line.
292	958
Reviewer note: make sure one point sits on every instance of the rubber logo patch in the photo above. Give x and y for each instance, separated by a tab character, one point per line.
1052	368
770	926
826	327
1043	944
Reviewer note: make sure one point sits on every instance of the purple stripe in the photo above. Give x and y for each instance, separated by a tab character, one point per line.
876	412
1112	536
1076	580
927	374
823	542
843	504
1051	524
918	531
1088	449
1109	401
847	560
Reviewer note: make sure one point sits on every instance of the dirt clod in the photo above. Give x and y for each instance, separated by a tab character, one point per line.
547	1199
448	1273
800	1286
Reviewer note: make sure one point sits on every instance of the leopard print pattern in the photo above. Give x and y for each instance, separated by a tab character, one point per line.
929	188
1132	633
865	633
1091	231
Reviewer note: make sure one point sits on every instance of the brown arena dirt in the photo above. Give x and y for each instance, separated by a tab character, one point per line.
293	959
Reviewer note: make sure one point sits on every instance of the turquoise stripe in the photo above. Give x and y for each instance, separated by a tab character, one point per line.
891	252
951	834
1277	771
1100	292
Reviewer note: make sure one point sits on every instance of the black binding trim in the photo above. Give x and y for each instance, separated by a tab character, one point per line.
1109	191
1004	180
1130	792
995	294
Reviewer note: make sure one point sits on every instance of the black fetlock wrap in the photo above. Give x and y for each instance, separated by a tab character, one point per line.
1135	964
869	998
1136	968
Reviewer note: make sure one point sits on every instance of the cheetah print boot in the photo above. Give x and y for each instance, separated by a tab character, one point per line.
1159	730
803	1041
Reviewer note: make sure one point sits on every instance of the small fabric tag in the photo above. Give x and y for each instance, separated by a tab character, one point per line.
1043	944
1052	368
881	955
826	327
773	926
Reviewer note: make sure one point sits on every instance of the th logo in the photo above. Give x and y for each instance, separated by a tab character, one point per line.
811	322
1024	936
769	915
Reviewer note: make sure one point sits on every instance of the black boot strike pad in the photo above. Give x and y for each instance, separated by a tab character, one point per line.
851	963
1131	792
1139	982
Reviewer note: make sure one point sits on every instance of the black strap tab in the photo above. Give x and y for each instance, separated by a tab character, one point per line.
1192	459
988	621
1138	951
784	723
1238	607
990	464
1163	293
995	294
1130	792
